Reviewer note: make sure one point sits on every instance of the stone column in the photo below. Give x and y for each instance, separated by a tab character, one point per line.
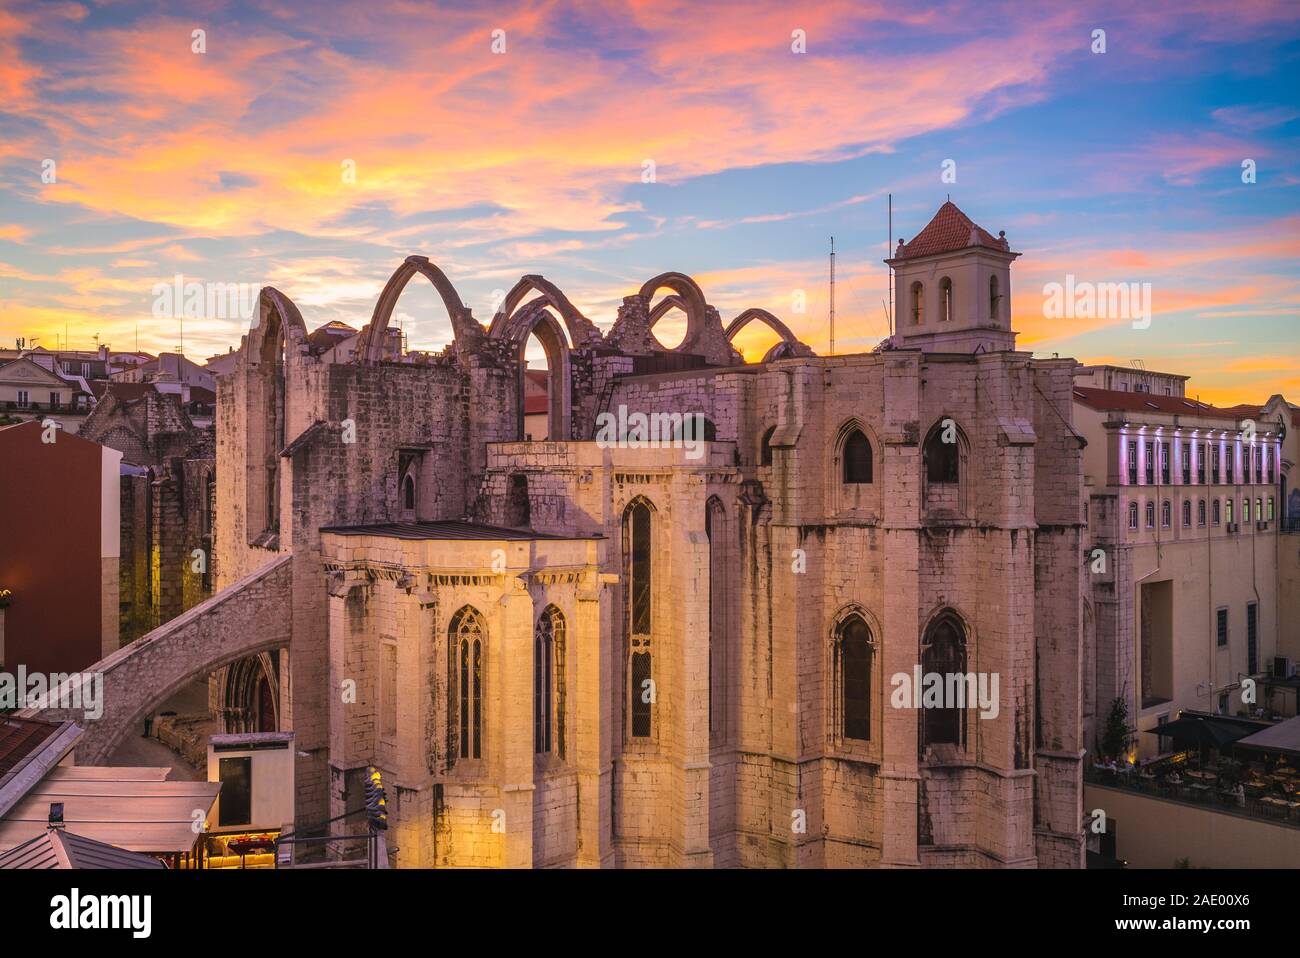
592	732
512	738
901	475
689	564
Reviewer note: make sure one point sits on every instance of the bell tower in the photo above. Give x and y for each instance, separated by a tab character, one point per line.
953	287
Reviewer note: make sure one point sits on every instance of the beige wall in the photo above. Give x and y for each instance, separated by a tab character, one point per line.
1154	833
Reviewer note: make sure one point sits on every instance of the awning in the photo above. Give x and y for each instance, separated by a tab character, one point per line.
1191	731
1283	738
127	807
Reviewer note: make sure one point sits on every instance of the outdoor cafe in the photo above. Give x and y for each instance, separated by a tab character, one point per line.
1235	764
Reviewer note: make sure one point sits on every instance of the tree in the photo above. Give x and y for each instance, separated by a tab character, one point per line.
1115	736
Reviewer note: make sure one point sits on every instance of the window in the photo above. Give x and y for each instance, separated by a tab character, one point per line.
765	447
941	458
548	682
54	400
918	304
1150	466
1151	515
23	399
1221	628
236	803
1214	510
1164	463
944	652
857	458
1200	464
1228	504
1269	517
994	297
466	636
855	648
1133	463
1187	463
1259	509
1200	513
945	300
1268	453
637	560
1132	515
1245	511
1214	463
1166	514
1187	514
1230	465
1259	465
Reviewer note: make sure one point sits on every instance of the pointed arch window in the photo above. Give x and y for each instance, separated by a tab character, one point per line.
548	682
466	639
637	543
942	458
943	652
857	458
855	654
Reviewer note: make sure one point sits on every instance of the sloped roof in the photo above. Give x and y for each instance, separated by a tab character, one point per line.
1108	400
126	810
324	338
950	230
20	737
59	848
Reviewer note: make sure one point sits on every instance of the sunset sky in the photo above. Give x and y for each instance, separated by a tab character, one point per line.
226	166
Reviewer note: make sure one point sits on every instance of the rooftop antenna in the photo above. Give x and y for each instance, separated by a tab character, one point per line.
832	295
889	313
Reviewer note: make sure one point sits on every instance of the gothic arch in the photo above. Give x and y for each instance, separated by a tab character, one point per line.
836	665
763	316
536	318
464	327
582	331
689	298
277	318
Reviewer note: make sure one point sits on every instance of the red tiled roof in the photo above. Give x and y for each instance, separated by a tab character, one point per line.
20	737
205	396
535	404
324	338
1107	400
949	231
127	392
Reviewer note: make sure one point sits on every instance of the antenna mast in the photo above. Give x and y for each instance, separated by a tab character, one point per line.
832	296
889	251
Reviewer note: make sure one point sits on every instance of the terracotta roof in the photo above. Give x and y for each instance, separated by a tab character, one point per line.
21	737
950	230
1107	400
535	404
205	396
324	338
126	392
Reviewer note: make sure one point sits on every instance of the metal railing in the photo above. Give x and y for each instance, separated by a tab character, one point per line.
1212	798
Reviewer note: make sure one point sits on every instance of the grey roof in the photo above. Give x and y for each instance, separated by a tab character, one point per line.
58	848
453	529
1283	737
